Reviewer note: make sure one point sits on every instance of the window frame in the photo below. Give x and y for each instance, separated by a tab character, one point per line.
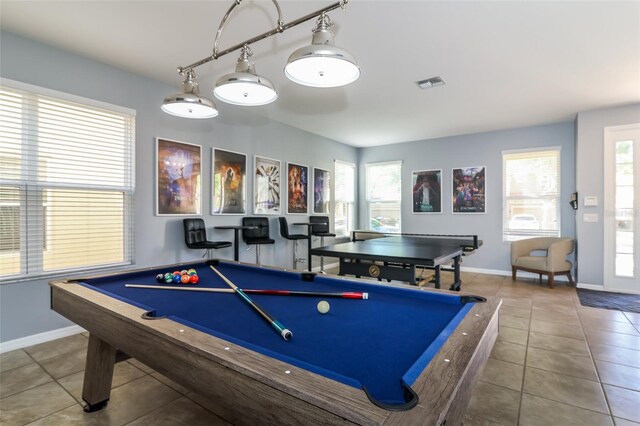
509	235
350	218
370	202
32	192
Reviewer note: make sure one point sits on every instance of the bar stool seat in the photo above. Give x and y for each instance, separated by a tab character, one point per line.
284	233
195	237
258	235
320	228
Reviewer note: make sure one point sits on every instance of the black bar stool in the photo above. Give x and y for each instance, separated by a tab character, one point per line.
195	237
284	232
257	233
320	228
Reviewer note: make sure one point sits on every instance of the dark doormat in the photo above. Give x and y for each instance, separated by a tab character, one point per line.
608	300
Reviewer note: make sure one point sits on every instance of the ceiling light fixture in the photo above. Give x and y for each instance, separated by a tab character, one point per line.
322	64
189	103
319	65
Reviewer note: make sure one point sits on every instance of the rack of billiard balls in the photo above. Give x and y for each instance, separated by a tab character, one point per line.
179	277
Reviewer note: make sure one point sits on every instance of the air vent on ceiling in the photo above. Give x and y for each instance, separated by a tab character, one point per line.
430	82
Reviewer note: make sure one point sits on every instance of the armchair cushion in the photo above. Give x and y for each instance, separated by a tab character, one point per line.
553	261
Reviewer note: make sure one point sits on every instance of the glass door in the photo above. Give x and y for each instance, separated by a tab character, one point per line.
622	201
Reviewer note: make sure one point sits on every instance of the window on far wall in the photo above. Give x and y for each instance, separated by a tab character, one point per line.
384	196
66	183
531	194
345	184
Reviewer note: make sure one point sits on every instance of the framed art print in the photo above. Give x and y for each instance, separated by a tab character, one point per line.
321	191
427	191
178	178
297	189
266	186
469	190
228	182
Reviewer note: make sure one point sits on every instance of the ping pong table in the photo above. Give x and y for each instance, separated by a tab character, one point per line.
396	256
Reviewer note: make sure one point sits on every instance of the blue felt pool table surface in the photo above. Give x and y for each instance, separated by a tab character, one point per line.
377	344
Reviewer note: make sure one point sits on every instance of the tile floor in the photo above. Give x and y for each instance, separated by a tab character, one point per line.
555	363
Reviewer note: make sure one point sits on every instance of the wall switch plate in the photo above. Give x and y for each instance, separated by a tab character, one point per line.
591	201
590	217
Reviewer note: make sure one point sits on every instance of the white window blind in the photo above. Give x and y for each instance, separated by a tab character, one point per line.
384	196
66	183
345	193
531	186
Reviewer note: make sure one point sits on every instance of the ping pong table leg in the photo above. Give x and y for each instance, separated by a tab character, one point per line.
457	282
436	276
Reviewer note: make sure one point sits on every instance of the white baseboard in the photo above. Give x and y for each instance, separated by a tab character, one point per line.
597	287
34	339
521	274
326	266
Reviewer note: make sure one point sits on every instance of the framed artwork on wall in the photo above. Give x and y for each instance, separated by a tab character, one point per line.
427	191
321	191
469	190
228	183
178	178
266	185
297	189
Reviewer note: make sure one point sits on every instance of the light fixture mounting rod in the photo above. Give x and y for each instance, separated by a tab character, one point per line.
279	29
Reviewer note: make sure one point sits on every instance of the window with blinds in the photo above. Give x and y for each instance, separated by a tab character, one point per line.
345	195
531	194
66	183
384	196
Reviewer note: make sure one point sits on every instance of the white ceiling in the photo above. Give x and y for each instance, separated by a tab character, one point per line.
506	64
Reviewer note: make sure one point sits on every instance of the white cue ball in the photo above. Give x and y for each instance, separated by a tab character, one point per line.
323	306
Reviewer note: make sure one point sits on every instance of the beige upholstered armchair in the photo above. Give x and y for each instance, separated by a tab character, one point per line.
555	262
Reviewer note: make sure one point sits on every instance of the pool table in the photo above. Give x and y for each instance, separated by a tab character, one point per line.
403	355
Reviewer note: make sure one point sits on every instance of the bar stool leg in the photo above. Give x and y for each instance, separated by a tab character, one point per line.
257	254
322	257
295	254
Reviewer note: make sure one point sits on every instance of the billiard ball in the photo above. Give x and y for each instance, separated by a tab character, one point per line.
176	272
192	272
176	278
168	278
160	278
323	306
193	279
184	279
184	272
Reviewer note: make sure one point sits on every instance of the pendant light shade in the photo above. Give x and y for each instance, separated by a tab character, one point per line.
322	64
245	87
189	103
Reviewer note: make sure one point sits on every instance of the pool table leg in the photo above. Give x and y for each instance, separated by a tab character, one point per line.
98	374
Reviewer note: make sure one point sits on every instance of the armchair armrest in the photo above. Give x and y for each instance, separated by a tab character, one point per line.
557	254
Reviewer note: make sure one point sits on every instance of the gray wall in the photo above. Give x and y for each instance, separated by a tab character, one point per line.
590	182
483	149
24	306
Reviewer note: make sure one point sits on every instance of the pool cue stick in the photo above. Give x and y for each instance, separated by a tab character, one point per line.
284	332
343	295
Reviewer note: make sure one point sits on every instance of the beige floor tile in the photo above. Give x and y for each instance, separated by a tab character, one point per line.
558	362
502	373
512	335
612	326
510	352
74	416
566	389
33	404
180	412
173	385
557	329
22	378
616	355
564	345
624	403
563	305
624	422
588	313
597	337
515	312
633	317
537	411
55	348
141	366
517	303
470	420
521	323
619	375
541	314
127	403
65	364
14	359
122	373
494	403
